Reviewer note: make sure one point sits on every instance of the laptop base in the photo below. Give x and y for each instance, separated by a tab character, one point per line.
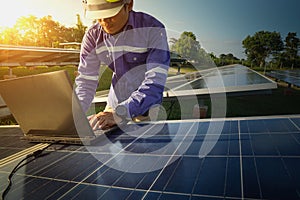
88	140
61	140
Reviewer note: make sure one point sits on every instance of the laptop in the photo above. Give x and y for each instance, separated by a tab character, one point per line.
47	109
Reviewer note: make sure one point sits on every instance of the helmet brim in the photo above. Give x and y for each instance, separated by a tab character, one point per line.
102	14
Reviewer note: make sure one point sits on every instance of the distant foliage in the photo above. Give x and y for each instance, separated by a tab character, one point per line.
225	59
42	32
187	47
268	48
264	48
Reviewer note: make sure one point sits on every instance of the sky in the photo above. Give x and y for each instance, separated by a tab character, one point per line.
219	25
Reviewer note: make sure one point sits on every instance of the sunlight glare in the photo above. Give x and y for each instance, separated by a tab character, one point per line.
13	10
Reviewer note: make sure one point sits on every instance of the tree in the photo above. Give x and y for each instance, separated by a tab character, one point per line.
28	29
227	59
32	31
292	44
187	46
48	31
280	59
172	41
262	45
10	36
80	30
205	59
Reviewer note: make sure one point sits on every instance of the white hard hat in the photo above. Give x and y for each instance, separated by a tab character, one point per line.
100	9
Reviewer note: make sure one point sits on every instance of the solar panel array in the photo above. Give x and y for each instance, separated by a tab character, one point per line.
229	79
33	56
291	77
251	158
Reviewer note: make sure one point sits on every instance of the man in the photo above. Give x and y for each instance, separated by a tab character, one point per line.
134	46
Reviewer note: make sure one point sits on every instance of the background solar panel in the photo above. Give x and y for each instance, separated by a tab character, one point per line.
234	78
253	158
32	56
289	76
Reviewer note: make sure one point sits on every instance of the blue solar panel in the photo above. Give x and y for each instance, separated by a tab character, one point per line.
289	76
10	142
232	78
252	158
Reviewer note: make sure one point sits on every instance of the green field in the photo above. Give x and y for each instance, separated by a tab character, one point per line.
282	101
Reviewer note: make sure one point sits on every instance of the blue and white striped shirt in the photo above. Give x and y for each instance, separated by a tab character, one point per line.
139	58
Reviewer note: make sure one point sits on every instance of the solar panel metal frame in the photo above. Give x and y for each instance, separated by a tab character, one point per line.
12	56
268	84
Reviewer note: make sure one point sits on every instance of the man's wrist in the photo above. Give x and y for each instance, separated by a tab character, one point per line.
122	112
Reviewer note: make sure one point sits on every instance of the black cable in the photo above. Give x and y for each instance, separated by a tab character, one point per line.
35	155
170	109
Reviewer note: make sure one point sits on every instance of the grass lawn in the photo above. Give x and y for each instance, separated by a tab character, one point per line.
281	101
277	103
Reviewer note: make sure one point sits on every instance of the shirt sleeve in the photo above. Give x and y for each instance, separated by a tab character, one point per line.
150	92
87	80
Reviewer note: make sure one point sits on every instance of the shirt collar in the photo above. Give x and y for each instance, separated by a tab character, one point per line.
130	22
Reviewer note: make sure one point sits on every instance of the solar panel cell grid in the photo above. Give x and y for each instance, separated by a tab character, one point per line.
255	159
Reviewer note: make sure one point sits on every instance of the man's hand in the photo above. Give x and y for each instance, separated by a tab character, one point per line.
104	120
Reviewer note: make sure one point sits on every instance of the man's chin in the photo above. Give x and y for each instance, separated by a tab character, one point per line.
111	31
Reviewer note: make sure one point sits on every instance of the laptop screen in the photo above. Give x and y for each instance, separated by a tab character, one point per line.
45	105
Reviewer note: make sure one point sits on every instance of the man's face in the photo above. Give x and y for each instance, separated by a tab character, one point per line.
115	24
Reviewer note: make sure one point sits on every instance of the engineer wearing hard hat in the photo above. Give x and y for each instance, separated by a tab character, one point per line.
134	46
